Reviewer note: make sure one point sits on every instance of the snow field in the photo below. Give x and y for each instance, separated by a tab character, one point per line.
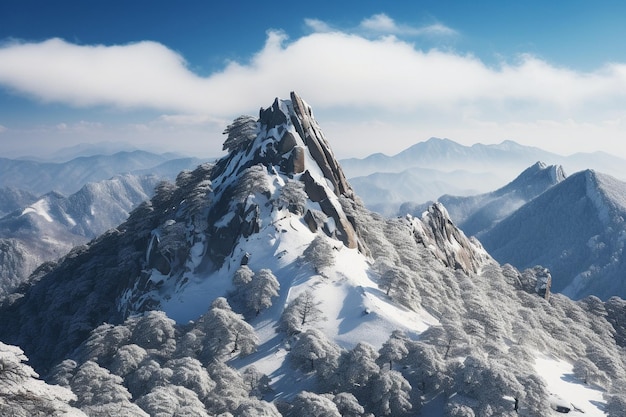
565	390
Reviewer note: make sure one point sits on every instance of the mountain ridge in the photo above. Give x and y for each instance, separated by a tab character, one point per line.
583	218
68	177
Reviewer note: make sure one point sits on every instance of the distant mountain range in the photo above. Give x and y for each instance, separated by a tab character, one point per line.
477	214
508	156
436	167
49	227
39	223
68	177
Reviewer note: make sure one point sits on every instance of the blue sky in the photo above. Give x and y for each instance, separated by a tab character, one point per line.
380	75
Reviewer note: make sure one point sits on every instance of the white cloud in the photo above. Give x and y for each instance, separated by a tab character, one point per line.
347	78
379	23
383	24
317	25
2	129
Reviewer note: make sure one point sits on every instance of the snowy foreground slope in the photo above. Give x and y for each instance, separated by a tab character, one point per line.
261	286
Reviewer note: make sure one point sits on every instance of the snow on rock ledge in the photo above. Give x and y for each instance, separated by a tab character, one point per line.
436	231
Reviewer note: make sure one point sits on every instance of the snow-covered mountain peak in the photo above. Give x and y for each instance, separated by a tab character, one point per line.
535	179
286	136
280	176
608	195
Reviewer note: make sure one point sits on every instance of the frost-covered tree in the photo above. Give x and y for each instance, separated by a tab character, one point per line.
293	197
356	368
100	393
172	401
398	282
154	330
312	405
391	394
150	374
258	383
615	405
226	331
320	253
243	276
535	402
313	351
230	389
426	369
253	407
253	180
189	373
394	349
454	409
163	193
22	394
348	405
262	289
616	315
127	359
490	384
240	132
172	244
301	311
449	338
103	343
588	372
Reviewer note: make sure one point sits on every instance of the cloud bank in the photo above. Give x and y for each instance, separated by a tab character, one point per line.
346	72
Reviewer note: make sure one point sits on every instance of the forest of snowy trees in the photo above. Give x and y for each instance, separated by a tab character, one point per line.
477	361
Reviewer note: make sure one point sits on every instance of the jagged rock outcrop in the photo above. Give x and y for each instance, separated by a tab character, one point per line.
288	134
436	231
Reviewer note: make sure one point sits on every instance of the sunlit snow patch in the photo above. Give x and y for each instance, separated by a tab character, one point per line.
568	392
40	208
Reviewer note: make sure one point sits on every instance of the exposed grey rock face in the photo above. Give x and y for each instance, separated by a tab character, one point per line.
287	132
314	139
436	232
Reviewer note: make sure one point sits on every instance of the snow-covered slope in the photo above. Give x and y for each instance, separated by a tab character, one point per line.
576	229
290	298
